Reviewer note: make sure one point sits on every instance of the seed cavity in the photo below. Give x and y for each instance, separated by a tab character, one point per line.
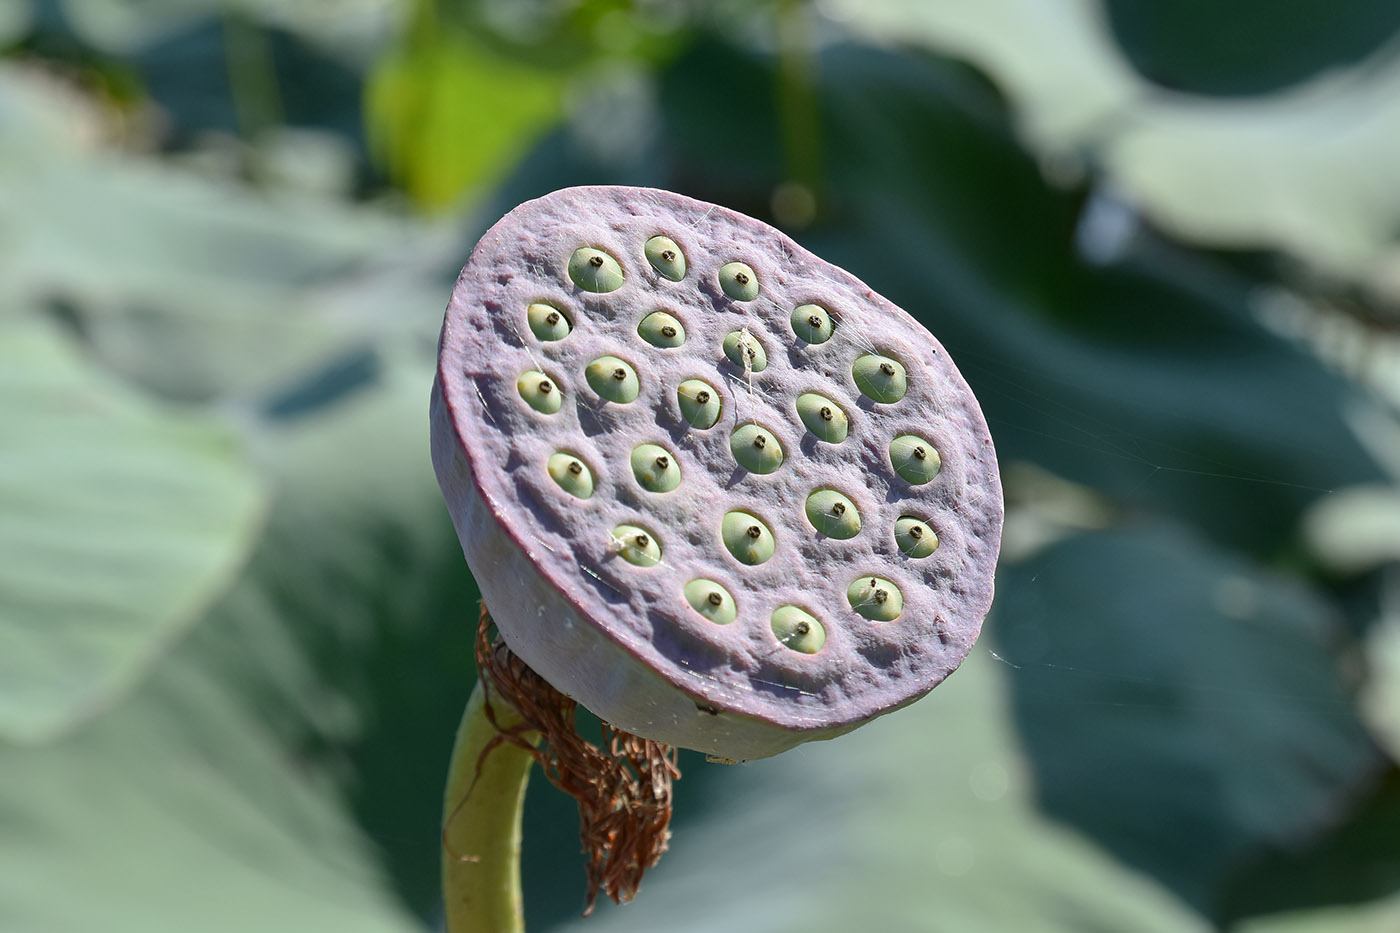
547	322
655	469
880	378
539	392
738	281
747	538
665	257
613	379
823	417
636	545
745	352
875	598
914	537
756	449
699	403
914	459
594	270
812	323
798	629
661	330
711	600
571	473
833	514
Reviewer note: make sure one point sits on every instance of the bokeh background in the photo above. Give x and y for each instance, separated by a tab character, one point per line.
1162	240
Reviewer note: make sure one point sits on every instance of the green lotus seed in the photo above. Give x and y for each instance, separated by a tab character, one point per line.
655	468
700	403
879	378
712	601
914	538
665	257
594	270
756	449
636	545
876	598
744	351
612	379
547	322
747	538
833	514
823	417
661	330
572	474
738	281
914	459
798	629
539	391
812	323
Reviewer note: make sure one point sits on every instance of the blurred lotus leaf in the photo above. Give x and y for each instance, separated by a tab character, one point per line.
124	520
1311	169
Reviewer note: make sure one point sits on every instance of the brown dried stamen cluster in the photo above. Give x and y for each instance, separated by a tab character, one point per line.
623	793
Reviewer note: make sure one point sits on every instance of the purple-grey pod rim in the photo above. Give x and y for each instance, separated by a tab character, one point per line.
604	615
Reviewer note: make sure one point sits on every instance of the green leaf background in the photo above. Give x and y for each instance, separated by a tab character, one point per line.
235	624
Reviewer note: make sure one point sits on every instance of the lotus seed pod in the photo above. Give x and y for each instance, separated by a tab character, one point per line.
699	403
595	271
548	322
823	417
812	323
745	352
539	392
712	601
739	281
661	330
656	469
623	625
756	449
914	538
914	459
613	379
833	514
665	257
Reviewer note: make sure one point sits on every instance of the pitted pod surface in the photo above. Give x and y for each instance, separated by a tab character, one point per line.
610	617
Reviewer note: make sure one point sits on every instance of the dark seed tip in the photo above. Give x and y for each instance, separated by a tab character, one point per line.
813	321
920	453
838	509
545	387
669	255
881	596
916	532
714	599
825	413
619	374
741	277
552	318
801	628
887	369
760	441
595	261
643	541
663	462
668	331
753	531
575	467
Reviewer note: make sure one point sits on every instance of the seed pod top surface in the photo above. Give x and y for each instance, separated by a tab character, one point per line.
623	636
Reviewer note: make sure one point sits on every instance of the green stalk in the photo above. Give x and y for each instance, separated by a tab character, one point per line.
482	815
